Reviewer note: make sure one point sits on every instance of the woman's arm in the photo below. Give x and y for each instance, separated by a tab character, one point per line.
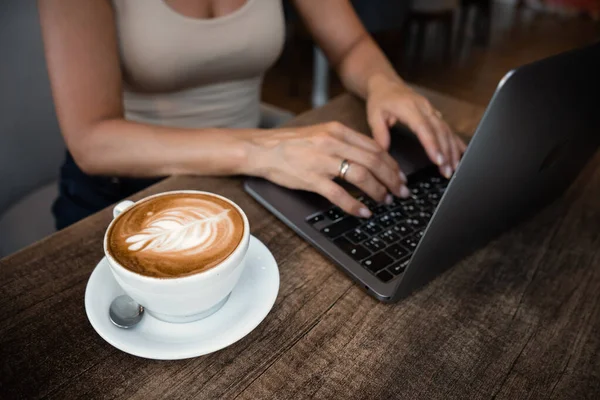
365	71
348	46
83	64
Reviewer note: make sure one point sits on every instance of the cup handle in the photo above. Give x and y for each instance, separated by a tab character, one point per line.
122	206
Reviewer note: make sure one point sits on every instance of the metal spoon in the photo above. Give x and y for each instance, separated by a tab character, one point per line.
124	312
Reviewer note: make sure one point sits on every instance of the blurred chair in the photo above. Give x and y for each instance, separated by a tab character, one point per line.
482	20
31	147
272	116
431	12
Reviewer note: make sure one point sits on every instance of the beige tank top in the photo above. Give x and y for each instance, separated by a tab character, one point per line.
196	73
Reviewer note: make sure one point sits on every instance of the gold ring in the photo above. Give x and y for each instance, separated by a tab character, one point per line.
344	167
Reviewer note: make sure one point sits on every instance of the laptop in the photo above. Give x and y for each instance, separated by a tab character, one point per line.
539	130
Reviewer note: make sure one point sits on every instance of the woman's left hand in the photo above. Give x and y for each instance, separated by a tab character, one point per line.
391	101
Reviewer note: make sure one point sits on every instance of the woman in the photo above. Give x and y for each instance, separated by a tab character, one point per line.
150	88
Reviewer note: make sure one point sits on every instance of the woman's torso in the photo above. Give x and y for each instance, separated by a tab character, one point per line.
184	71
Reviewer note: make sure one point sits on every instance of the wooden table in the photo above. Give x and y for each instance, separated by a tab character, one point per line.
519	318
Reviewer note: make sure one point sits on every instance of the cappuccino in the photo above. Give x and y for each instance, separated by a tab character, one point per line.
175	235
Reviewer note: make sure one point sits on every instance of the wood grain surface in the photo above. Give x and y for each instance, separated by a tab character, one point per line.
520	318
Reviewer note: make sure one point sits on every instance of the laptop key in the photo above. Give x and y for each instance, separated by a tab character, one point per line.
355	251
389	236
356	236
434	197
396	215
409	208
429	209
394	204
422	195
335	213
397	251
399	267
367	202
315	219
424	215
377	262
375	244
402	229
337	228
379	210
421	202
420	233
371	228
416	222
410	242
385	221
416	191
385	276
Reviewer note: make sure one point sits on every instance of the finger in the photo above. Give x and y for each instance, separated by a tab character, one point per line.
461	145
391	120
443	139
372	159
381	166
363	179
421	126
380	153
455	151
435	117
379	129
359	140
340	197
457	143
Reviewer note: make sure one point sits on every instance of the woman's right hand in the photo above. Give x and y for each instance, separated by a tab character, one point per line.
309	158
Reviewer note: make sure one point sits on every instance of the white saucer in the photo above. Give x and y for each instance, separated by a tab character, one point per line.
249	303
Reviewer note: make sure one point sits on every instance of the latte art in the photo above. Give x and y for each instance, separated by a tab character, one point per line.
176	235
186	230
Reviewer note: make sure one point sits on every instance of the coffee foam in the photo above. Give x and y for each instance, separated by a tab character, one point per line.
175	235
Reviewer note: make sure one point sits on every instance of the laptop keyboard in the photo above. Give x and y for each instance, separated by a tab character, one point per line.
384	243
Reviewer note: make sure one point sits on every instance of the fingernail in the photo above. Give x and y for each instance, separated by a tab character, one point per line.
447	171
404	192
402	176
440	159
388	199
365	213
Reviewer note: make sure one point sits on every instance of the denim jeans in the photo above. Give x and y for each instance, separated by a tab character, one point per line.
81	195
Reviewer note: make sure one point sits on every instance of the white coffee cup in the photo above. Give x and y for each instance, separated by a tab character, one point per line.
187	298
